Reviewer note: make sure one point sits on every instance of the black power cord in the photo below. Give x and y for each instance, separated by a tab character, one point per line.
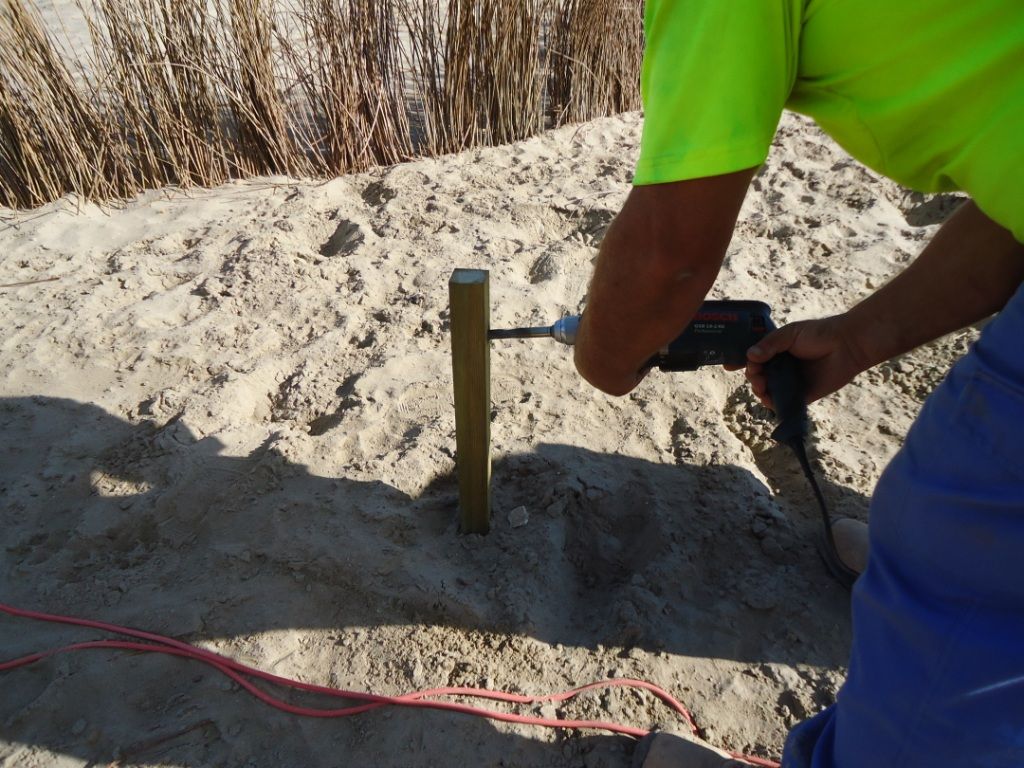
827	543
787	387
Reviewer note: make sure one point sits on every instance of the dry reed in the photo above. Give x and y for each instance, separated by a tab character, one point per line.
481	69
596	55
195	92
352	83
53	141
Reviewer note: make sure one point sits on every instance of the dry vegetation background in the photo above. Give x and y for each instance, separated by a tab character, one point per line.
196	92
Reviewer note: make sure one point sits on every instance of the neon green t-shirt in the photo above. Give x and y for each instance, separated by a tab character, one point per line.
928	92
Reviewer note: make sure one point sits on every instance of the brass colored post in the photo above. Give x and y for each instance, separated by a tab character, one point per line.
469	298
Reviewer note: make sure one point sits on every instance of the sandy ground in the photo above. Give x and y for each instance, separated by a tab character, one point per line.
228	417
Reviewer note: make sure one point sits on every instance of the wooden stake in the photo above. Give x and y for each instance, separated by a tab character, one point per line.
470	303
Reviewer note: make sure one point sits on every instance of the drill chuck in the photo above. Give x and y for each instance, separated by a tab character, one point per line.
565	330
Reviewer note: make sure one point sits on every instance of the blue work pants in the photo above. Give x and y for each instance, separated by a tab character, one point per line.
936	675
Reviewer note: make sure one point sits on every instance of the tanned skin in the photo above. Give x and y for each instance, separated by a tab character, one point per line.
968	271
656	264
663	252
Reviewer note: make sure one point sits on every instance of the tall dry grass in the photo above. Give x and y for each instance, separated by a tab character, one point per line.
596	55
348	64
53	138
195	92
480	67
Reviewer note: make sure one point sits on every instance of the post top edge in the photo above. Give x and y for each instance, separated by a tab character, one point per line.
469	276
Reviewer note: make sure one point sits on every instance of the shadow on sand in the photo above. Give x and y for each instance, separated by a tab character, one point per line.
144	525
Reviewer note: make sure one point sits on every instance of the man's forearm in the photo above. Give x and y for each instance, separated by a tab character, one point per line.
638	301
967	272
657	262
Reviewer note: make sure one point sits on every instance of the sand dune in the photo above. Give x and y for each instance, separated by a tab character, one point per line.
228	417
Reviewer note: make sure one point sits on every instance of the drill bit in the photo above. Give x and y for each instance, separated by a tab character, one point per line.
520	333
564	331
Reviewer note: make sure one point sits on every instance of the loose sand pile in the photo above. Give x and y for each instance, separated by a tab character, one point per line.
228	417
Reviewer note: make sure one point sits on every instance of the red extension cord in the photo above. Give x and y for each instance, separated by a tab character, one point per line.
426	699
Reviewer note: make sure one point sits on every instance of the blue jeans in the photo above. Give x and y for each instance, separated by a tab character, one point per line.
937	668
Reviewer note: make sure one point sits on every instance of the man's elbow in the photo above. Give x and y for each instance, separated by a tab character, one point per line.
602	372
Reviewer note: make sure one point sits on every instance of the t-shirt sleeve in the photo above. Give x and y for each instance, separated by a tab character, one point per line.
716	76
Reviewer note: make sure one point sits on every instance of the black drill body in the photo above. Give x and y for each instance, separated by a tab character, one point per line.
720	334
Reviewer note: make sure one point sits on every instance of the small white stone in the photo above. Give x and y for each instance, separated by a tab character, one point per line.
518	517
557	507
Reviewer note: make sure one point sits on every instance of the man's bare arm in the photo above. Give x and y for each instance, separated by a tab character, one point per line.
656	264
968	271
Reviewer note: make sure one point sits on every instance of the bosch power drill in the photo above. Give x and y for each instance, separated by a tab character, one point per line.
720	334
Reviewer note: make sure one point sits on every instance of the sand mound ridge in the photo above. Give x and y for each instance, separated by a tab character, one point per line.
229	419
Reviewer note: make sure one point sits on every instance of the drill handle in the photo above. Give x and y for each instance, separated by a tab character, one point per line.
788	390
